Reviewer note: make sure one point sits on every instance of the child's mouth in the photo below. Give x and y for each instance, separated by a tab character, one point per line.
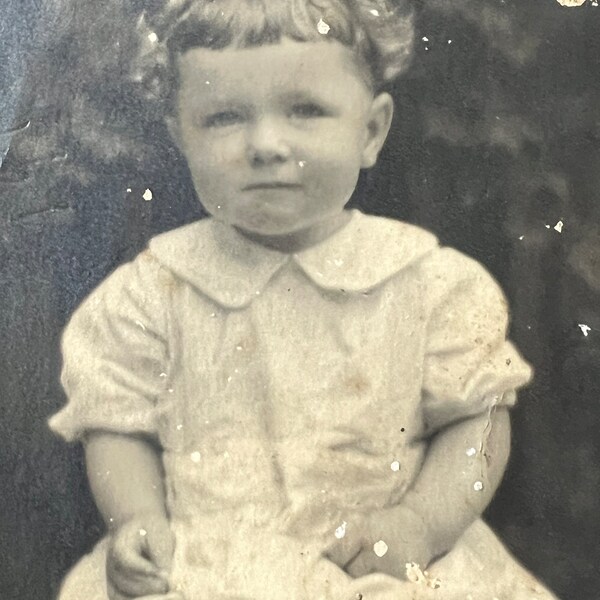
271	185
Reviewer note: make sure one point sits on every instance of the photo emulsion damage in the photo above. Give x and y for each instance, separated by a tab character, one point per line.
300	299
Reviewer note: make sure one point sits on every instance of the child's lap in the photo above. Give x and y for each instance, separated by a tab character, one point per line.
87	579
262	566
478	568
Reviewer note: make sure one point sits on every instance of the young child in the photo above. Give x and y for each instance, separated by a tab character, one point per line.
290	400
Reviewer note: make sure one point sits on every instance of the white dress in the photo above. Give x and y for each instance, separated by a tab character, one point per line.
281	389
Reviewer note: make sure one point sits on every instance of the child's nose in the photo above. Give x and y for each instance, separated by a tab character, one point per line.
267	143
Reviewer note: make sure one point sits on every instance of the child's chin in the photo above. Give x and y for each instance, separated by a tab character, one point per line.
265	227
272	232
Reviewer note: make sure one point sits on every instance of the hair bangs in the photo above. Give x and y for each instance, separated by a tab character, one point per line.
378	32
242	24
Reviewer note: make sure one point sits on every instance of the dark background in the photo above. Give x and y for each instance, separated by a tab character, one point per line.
497	137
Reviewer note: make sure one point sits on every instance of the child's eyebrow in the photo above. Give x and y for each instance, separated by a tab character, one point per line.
311	97
215	101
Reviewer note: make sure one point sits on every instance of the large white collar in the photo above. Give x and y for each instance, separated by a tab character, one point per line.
233	270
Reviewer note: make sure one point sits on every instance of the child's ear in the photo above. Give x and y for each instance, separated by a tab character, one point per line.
378	126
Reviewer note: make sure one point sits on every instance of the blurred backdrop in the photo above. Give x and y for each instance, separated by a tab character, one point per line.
495	147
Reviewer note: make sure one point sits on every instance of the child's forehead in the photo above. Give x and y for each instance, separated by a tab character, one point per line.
284	62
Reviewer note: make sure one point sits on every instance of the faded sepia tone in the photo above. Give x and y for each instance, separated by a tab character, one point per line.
306	393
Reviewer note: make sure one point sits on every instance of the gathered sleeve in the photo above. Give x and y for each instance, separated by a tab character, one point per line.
115	355
469	364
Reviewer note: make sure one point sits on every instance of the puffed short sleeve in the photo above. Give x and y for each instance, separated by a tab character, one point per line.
115	354
469	365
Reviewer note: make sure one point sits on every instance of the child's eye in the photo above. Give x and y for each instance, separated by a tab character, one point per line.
223	118
308	110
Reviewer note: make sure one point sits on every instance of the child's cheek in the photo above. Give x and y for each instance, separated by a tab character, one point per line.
338	154
332	181
226	150
338	144
219	157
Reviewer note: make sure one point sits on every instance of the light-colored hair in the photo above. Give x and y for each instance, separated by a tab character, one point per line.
378	31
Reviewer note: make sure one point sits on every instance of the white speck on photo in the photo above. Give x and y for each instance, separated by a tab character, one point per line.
585	329
322	27
380	548
340	532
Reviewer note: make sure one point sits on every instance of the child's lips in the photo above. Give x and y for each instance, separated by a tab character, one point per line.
271	185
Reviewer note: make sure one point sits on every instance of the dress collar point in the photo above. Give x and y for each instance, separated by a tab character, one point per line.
233	271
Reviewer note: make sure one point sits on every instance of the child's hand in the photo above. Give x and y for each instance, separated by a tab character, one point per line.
383	542
139	559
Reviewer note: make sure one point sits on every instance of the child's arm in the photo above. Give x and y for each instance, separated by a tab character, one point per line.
462	470
452	489
126	479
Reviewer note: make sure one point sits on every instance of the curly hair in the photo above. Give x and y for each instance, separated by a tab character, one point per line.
107	107
380	34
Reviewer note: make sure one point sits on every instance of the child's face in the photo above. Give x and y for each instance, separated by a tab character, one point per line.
275	136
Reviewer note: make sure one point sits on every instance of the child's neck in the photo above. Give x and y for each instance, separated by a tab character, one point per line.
302	239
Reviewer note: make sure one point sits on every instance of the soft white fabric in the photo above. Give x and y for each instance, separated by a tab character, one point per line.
282	387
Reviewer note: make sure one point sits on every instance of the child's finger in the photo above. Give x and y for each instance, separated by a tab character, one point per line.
159	546
343	550
138	558
360	566
169	596
136	586
127	554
